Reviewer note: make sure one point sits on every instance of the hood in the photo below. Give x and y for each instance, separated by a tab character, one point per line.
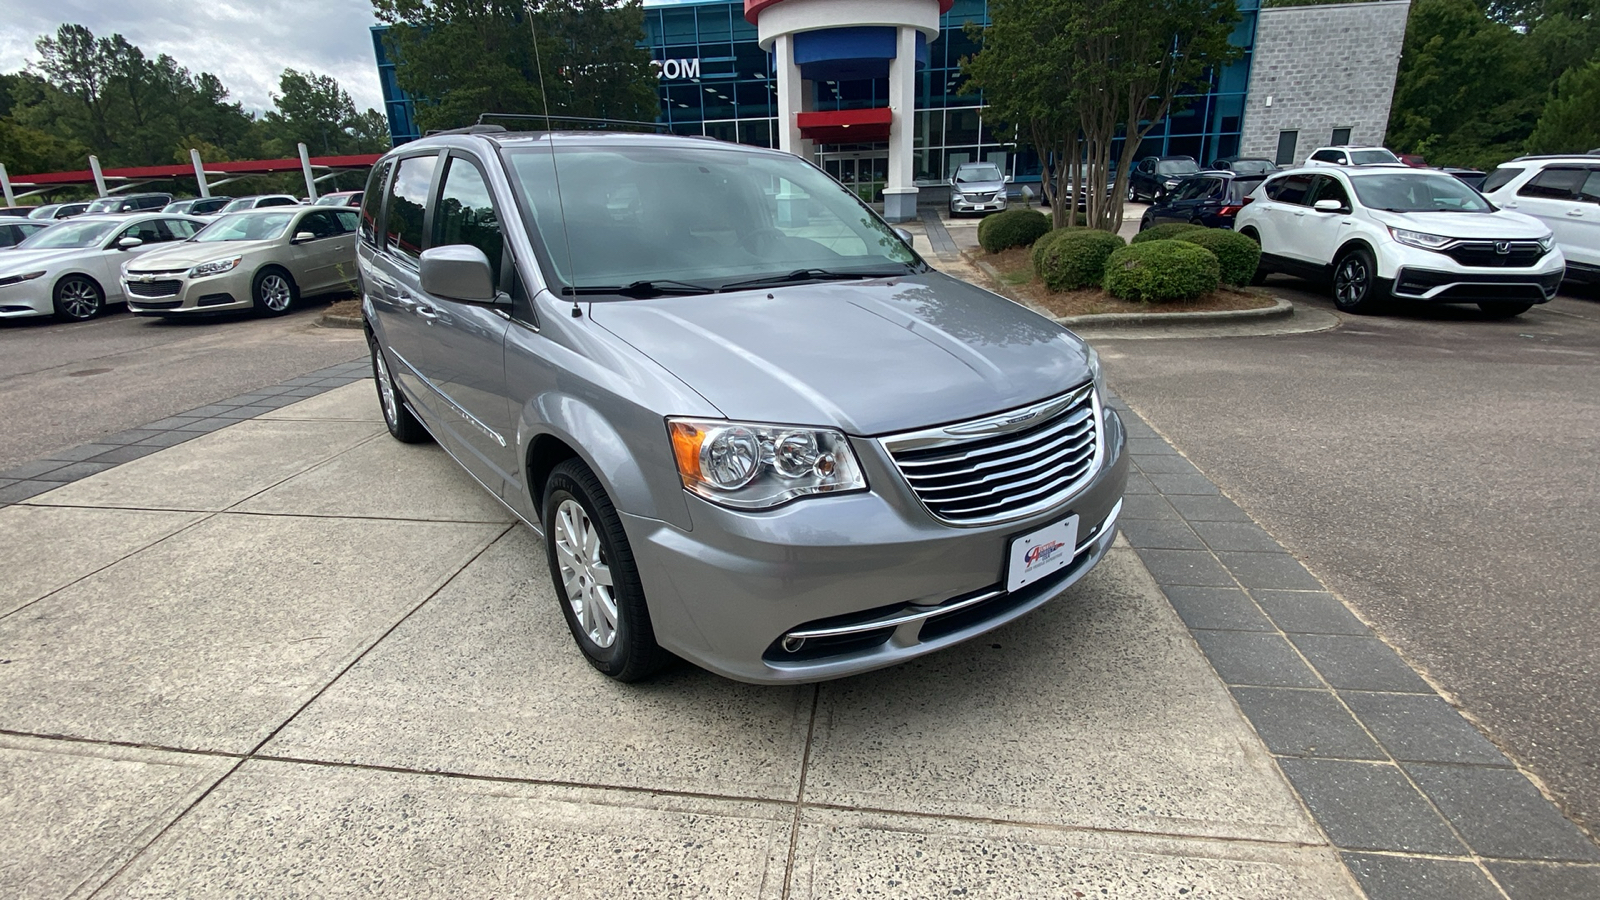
187	253
869	357
14	260
1500	224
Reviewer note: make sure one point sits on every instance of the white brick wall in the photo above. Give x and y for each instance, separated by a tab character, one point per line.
1324	67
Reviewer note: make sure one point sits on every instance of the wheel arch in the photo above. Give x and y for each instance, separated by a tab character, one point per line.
105	296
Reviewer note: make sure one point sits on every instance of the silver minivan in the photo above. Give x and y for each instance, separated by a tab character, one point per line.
754	429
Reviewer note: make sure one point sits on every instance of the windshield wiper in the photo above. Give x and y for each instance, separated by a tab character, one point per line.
803	275
642	288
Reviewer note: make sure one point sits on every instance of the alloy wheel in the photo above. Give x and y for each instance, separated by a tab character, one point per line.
275	293
585	574
1351	282
386	396
79	299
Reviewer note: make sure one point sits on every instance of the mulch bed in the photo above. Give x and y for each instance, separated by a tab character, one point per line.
349	308
1016	274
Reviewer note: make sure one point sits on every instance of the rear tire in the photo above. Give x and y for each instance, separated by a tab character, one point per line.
1355	283
1504	310
590	557
78	299
403	425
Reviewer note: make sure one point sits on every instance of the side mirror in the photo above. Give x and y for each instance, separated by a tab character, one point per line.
904	235
303	237
1327	206
458	272
128	243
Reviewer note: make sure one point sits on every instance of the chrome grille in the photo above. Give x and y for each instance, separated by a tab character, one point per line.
1486	254
1006	466
164	288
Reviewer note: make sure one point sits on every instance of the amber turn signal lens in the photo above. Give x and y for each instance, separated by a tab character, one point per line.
686	441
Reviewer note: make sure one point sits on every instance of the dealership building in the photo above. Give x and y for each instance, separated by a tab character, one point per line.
872	90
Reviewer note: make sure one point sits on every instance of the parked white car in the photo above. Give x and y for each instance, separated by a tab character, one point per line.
71	268
1352	156
1563	192
1413	234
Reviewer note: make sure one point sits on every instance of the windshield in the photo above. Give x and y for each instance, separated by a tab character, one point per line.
245	227
332	200
1252	166
65	235
1417	192
700	216
240	204
1370	157
978	174
1177	167
109	204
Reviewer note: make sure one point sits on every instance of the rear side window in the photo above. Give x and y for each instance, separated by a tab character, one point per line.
372	202
465	214
408	203
1590	191
10	235
1499	178
1556	183
347	220
1332	156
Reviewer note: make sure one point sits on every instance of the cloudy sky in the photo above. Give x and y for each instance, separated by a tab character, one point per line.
246	43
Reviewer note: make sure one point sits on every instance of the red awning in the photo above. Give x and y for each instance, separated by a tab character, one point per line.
846	126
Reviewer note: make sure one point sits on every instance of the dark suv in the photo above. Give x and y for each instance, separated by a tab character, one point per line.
1211	199
1156	175
129	203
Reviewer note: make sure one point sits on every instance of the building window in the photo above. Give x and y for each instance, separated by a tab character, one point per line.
1286	142
1341	136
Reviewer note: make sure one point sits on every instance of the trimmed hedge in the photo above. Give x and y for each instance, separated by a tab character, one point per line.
1165	232
1157	271
1070	258
1012	228
1236	254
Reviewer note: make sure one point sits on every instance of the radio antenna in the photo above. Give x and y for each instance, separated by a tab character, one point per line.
555	170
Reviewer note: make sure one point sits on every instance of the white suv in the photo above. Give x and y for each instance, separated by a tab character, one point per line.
1352	156
1564	193
1414	234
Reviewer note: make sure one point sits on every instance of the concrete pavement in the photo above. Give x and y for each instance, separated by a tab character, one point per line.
292	657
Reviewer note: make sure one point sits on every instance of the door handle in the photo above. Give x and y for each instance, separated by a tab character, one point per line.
426	311
1574	212
1299	213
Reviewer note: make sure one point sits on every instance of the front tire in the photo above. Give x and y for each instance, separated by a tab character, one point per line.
402	423
1133	194
1355	283
274	291
78	299
595	578
1504	310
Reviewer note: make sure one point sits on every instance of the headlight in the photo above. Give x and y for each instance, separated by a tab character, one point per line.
1546	242
1171	184
1098	372
1419	239
18	279
750	466
215	267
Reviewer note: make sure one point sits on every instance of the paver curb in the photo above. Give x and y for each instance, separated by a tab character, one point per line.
1419	804
63	467
329	320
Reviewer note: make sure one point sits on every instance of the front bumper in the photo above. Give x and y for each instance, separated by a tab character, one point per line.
1475	287
176	294
961	203
870	579
27	298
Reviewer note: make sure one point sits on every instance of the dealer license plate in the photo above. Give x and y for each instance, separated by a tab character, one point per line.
1041	553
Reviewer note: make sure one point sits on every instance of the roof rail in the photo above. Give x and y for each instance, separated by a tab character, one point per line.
581	120
479	128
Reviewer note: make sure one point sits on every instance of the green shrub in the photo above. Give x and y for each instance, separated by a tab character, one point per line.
1236	254
1012	228
1165	232
1074	258
1157	271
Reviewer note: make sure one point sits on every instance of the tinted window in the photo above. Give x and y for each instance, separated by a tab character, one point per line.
371	201
1327	188
1251	166
1500	177
1290	189
1189	189
150	232
1327	156
347	220
9	235
1241	188
275	201
1590	191
201	207
1556	182
408	200
465	214
321	225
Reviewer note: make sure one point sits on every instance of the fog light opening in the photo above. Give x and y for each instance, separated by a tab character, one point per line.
793	644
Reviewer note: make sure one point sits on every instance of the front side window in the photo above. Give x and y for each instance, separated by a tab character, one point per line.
1418	191
1556	183
704	216
466	214
150	232
1590	191
181	229
408	202
1326	187
320	225
372	203
245	227
69	235
347	220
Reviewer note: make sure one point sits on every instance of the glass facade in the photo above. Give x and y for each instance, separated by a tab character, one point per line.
717	81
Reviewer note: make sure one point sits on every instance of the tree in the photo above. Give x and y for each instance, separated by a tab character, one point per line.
1119	68
463	58
314	110
1571	120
